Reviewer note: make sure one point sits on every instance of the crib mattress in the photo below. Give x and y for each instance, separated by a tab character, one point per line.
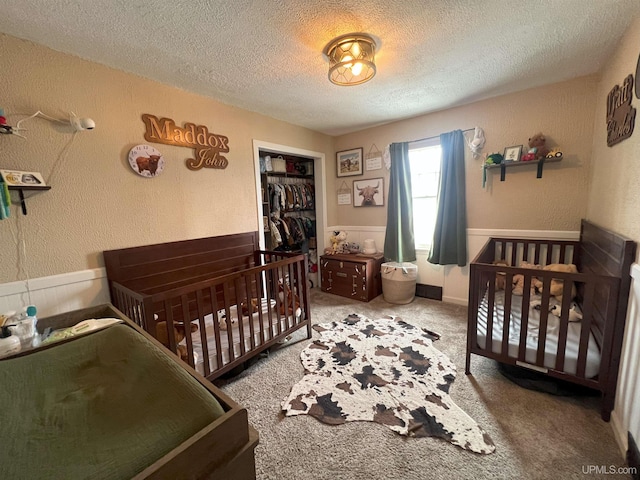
210	335
102	406
533	329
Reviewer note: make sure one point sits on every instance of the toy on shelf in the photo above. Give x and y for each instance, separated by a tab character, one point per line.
554	153
4	128
537	146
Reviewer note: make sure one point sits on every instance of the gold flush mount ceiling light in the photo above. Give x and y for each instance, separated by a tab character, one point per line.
351	59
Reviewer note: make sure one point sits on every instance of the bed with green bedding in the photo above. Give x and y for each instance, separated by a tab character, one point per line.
113	405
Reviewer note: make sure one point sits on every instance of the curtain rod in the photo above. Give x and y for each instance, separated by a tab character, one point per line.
437	136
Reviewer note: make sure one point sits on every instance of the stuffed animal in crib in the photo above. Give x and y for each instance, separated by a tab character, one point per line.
575	315
223	322
557	284
179	332
518	279
253	305
293	301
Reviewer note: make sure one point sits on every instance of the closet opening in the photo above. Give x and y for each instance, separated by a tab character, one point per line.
291	201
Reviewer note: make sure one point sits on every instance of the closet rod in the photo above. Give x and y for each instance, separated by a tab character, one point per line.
436	136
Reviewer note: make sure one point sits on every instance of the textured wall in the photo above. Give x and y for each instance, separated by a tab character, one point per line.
97	202
614	198
614	190
563	111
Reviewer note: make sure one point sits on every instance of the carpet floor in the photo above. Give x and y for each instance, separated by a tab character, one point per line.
537	435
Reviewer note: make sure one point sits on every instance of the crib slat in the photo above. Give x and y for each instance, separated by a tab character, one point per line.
291	321
491	295
549	254
278	298
227	311
269	294
525	251
585	328
536	254
216	328
169	320
544	319
256	281
506	321
524	325
238	303
203	332
248	289
187	329
562	336
514	253
562	253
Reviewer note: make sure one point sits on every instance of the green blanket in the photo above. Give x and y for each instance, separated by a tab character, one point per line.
103	406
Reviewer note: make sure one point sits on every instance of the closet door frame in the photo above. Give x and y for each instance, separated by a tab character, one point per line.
319	179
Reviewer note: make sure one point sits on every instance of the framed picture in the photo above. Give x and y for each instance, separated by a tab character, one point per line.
22	179
513	154
349	162
368	193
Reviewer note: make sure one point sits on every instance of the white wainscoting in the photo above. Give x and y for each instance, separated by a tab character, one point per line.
454	280
57	293
626	414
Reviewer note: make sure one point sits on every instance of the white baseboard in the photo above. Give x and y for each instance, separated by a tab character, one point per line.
455	300
619	433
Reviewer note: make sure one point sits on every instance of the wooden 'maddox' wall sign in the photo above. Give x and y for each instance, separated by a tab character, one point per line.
621	116
207	146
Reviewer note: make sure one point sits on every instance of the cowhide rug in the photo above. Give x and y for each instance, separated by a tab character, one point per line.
385	371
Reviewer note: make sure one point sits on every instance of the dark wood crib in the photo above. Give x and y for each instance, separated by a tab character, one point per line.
513	330
228	298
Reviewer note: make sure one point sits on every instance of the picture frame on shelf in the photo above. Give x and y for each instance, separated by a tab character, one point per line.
18	178
368	193
513	154
349	162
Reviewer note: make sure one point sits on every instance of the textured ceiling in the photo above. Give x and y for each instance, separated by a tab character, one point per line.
266	55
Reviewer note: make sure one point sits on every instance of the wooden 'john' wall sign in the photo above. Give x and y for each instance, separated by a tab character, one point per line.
621	116
207	146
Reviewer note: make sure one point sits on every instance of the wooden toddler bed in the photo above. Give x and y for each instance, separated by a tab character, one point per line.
215	301
114	404
513	329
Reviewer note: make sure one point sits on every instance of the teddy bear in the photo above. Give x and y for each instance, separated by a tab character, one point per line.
338	243
556	288
538	146
179	332
518	279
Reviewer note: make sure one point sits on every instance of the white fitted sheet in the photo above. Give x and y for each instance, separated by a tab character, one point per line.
533	328
211	343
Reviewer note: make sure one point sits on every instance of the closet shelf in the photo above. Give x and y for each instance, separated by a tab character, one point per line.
285	174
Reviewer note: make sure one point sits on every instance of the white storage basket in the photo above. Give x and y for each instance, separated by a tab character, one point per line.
399	282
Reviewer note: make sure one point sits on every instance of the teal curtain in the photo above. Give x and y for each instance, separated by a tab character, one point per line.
399	242
450	236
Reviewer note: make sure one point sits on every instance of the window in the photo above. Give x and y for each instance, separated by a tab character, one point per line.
424	158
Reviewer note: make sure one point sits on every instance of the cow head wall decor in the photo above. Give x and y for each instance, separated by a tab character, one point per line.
369	193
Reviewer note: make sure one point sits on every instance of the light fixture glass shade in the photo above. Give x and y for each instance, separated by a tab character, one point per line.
351	59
